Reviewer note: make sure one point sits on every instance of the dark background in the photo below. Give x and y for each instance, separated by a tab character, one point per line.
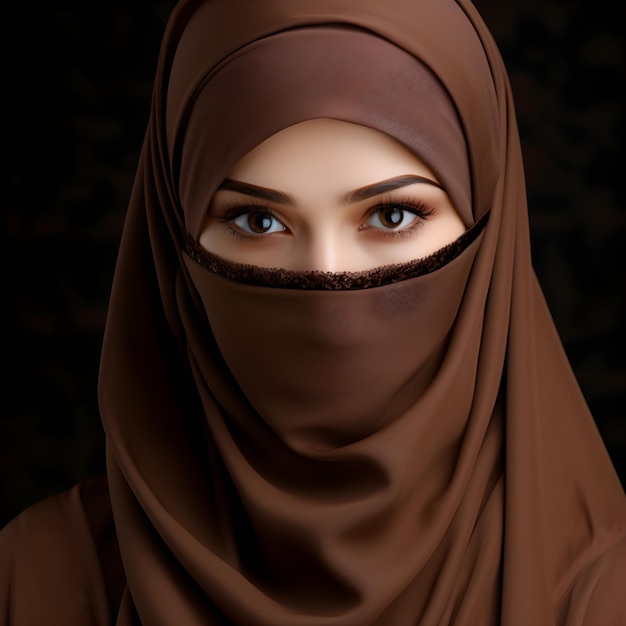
77	94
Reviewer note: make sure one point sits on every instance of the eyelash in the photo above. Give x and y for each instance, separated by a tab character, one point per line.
419	208
233	210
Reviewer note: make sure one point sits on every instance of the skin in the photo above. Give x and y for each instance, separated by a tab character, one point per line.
322	208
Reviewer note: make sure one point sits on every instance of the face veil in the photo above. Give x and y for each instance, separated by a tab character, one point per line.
400	468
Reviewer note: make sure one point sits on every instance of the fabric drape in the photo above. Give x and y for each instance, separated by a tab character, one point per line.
417	452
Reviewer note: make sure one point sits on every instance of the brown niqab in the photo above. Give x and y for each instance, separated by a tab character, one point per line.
283	454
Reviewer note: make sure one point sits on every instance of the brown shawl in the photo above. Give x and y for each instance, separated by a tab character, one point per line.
414	452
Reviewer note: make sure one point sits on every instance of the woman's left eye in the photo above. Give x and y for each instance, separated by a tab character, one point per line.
258	223
391	218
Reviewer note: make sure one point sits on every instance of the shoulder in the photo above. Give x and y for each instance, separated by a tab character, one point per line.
597	595
51	565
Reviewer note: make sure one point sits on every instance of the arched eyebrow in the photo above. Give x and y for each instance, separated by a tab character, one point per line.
352	197
264	193
385	186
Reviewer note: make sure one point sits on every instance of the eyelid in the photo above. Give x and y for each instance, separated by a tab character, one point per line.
415	205
232	210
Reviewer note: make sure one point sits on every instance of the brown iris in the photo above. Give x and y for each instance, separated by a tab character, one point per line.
391	217
259	223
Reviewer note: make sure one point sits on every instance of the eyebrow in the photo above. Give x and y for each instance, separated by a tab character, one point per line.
357	195
384	186
229	184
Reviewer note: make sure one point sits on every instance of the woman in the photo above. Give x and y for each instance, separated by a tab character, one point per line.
331	389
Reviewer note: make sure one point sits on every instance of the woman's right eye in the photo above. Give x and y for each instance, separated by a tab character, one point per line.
258	223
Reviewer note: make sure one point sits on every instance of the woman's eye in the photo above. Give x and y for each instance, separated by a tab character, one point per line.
257	223
391	218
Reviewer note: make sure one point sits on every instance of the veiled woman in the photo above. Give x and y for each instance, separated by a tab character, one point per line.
331	388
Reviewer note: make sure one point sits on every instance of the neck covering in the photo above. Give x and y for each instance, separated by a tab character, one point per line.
415	452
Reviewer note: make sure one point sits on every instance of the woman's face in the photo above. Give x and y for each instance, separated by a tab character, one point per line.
331	196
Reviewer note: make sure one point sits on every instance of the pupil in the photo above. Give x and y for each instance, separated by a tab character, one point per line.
259	223
391	217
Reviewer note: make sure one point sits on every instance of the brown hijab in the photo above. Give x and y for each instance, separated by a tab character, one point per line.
407	446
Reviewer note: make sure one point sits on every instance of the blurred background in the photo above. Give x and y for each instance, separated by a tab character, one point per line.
76	102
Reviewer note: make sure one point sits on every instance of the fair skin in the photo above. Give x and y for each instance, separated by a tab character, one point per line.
331	196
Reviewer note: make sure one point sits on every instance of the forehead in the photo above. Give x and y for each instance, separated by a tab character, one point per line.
326	152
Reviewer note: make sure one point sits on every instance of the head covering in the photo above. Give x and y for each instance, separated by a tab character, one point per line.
416	452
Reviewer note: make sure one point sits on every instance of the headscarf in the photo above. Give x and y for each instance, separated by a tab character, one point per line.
414	452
